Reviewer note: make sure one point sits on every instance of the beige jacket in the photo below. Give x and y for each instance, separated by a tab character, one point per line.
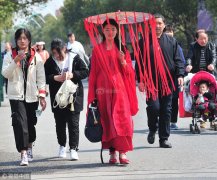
35	83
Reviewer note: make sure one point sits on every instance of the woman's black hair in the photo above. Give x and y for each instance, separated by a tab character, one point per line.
58	45
23	31
116	39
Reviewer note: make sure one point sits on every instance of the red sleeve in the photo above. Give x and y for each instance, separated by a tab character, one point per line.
92	79
130	84
128	69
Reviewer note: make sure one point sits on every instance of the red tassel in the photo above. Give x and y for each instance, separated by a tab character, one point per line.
163	79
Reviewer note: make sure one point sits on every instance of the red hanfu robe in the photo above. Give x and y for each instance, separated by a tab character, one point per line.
113	85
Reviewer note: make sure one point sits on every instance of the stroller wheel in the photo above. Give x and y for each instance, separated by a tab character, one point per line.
215	127
192	129
197	129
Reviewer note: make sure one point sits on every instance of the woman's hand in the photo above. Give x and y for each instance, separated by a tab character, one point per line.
141	87
188	68
68	75
60	78
19	57
122	58
42	103
210	67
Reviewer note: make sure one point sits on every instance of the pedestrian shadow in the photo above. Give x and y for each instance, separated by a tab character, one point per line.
91	150
142	131
34	168
186	132
8	163
145	147
182	131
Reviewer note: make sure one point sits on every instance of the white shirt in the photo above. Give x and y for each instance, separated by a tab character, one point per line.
76	47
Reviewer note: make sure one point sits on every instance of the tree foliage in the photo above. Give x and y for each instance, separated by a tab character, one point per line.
182	14
52	28
9	7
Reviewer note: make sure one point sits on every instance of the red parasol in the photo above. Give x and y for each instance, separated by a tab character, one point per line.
134	26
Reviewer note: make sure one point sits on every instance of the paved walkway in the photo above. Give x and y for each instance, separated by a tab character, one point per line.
192	156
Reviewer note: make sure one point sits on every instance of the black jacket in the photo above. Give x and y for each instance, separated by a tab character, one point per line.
172	57
79	70
194	53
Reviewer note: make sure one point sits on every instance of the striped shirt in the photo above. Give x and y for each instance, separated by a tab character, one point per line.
202	60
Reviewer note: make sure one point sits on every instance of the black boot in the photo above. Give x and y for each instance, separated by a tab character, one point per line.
151	137
165	144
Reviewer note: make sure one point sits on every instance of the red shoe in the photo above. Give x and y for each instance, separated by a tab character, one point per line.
123	159
113	158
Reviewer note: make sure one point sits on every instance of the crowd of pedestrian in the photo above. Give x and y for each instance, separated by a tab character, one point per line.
112	84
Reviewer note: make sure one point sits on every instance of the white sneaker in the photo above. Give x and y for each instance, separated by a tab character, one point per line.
24	159
62	152
29	154
73	155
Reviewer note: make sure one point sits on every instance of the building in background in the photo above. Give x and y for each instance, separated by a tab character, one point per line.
205	21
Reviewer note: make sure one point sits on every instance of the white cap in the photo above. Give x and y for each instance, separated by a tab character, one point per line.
40	43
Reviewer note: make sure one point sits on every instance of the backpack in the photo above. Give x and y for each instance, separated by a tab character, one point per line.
64	95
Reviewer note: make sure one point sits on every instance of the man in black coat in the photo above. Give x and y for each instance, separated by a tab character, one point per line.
159	110
201	54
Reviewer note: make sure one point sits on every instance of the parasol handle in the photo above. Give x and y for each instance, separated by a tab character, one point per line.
119	34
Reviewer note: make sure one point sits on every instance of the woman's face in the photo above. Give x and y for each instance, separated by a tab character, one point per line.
40	47
202	39
23	42
58	56
110	32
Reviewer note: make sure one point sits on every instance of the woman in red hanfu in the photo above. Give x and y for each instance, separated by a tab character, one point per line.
112	83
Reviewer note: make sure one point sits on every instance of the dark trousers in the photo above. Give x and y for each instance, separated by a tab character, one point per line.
175	106
159	114
62	118
23	121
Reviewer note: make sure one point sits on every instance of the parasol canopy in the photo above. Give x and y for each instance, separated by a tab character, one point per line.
136	27
121	17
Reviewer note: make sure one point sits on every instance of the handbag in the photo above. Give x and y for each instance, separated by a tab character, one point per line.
64	95
93	128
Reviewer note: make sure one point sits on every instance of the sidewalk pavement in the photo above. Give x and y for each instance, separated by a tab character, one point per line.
192	156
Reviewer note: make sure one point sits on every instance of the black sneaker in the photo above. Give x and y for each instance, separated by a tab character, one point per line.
165	144
151	137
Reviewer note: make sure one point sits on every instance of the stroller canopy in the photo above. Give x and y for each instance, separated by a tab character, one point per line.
202	76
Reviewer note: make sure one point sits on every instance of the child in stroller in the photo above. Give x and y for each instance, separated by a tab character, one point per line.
203	89
205	104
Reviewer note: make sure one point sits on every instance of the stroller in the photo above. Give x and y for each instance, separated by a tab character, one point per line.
206	113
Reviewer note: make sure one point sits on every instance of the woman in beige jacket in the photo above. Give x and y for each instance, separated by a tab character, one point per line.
24	70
